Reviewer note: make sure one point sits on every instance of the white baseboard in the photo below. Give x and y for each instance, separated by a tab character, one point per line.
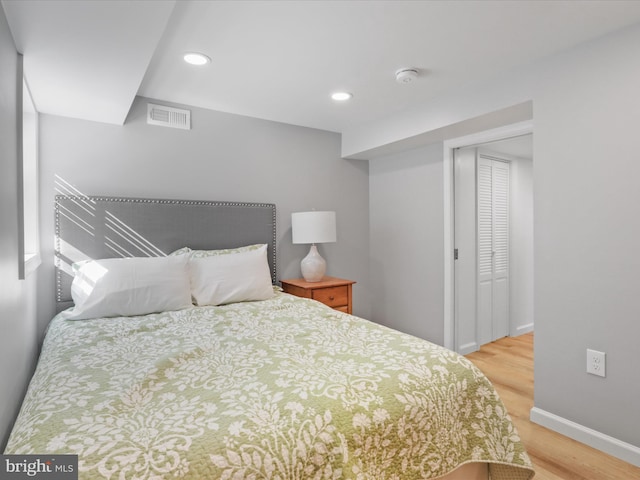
619	449
521	330
474	347
468	348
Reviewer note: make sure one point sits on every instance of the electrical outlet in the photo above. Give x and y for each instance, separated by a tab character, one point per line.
596	363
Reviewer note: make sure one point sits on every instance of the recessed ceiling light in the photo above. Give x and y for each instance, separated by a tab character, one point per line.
341	96
195	58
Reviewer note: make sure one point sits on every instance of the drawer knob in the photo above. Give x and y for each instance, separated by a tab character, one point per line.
332	297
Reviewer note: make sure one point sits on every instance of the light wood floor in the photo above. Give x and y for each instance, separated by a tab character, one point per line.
509	365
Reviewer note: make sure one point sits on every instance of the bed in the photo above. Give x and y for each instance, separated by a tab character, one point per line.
266	387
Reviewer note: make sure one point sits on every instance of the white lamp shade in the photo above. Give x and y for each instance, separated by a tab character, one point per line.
313	227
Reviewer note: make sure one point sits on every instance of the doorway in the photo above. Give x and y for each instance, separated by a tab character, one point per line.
472	291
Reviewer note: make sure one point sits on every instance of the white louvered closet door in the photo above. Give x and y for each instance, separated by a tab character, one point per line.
493	249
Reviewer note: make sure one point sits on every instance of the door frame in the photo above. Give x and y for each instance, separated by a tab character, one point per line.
500	133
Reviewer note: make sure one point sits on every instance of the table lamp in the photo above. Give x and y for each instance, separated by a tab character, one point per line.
313	227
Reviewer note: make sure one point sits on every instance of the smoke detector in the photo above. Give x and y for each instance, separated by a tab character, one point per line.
406	75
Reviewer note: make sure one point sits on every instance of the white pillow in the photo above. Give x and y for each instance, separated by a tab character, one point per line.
235	277
129	286
211	253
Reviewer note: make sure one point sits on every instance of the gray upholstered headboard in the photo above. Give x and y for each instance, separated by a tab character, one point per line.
107	227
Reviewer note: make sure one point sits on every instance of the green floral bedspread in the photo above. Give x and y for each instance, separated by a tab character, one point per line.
281	389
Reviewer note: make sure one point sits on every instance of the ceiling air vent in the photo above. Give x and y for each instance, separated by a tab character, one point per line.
168	116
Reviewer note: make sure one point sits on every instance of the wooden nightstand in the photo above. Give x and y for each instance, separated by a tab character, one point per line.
333	292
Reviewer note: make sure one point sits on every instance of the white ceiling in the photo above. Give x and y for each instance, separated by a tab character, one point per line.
86	59
280	60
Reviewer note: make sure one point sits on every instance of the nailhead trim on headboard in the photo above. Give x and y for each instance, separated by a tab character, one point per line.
88	199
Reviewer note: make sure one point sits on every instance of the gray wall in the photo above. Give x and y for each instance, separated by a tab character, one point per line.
406	224
224	157
586	222
18	338
587	230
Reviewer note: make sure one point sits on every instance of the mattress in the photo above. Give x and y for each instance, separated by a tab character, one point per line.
285	388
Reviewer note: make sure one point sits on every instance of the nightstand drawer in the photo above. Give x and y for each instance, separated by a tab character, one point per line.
333	292
333	297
